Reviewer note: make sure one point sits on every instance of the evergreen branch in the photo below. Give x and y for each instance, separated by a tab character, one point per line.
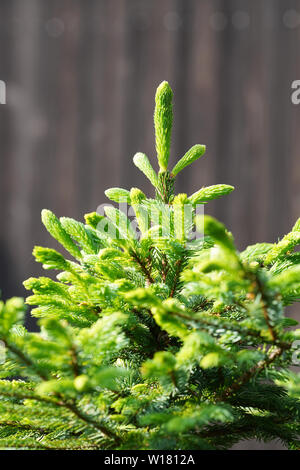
165	189
246	427
71	407
247	376
35	445
266	317
163	118
136	346
272	332
230	325
143	266
39	398
74	361
209	193
26	427
191	155
25	359
165	268
178	269
142	162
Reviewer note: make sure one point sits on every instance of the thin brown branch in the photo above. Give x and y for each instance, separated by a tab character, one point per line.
261	365
24	396
26	427
25	359
165	268
267	320
274	354
87	419
234	327
69	406
61	402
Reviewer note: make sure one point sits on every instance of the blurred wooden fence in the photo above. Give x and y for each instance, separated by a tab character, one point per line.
81	77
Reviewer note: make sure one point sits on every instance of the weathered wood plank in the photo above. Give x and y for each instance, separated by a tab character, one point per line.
81	78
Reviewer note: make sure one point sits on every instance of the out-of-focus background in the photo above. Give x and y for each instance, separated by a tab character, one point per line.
81	77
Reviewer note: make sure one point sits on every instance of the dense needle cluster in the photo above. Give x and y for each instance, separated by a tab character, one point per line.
151	340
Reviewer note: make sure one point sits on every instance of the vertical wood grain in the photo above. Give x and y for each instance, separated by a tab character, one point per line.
81	78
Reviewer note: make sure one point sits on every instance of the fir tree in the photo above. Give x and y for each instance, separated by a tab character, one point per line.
156	339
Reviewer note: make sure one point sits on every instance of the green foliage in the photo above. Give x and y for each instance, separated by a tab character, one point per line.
153	339
118	195
142	162
191	155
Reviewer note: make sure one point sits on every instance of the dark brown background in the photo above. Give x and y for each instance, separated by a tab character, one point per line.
81	77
